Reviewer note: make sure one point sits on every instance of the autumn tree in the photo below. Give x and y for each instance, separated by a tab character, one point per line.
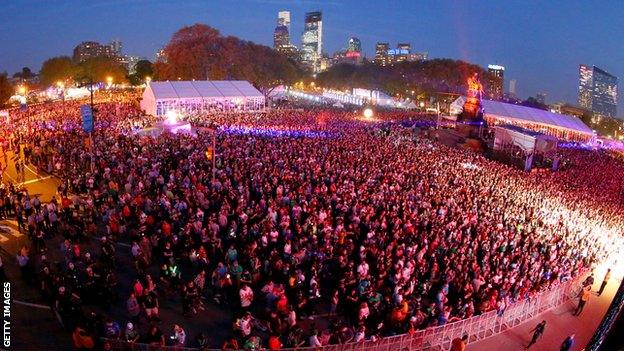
6	89
200	52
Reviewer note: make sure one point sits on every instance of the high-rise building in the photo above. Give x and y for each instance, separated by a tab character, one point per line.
598	90
283	19
281	38
91	49
381	53
354	45
496	80
116	46
312	40
281	35
404	47
512	87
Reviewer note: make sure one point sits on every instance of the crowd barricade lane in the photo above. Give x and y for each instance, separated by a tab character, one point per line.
437	338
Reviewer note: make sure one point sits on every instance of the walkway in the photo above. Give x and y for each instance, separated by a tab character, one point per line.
559	322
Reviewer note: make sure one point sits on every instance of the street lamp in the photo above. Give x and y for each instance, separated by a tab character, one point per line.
109	80
21	90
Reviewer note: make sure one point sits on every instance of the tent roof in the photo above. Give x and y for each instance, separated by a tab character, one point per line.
202	89
528	132
534	115
529	114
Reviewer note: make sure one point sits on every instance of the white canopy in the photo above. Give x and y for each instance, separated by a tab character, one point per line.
519	113
185	89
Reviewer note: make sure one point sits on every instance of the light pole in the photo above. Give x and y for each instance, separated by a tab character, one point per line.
109	82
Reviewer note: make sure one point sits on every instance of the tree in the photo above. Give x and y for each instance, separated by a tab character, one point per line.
57	69
25	73
98	69
200	52
142	70
6	89
532	102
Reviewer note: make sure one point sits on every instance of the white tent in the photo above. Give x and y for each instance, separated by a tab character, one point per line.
189	97
561	126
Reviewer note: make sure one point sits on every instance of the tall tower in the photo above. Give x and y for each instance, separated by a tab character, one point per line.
381	53
598	90
496	80
283	19
312	40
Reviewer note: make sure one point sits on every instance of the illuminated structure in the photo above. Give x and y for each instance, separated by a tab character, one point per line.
598	90
312	41
495	81
472	109
381	53
385	56
196	97
354	45
561	126
281	35
352	54
91	49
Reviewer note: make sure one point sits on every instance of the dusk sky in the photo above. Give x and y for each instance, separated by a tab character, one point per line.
541	43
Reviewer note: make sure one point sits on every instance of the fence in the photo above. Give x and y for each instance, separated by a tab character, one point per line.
436	338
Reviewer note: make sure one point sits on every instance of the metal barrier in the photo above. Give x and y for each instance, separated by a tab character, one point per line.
436	338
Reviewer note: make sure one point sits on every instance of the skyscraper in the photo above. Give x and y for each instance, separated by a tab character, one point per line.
496	80
312	40
281	35
381	53
281	38
512	87
598	90
116	46
283	19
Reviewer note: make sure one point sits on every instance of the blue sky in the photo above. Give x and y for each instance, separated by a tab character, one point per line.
541	43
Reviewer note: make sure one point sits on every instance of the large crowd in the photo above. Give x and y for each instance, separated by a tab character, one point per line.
373	228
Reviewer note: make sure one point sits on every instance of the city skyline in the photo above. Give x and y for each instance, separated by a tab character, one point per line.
540	49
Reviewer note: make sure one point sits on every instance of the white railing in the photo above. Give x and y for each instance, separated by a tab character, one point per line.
438	338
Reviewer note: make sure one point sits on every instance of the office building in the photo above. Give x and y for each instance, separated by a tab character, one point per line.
312	41
495	81
280	37
385	56
91	49
381	53
598	91
116	47
512	87
283	19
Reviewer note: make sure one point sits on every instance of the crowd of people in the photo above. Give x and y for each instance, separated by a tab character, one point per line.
376	229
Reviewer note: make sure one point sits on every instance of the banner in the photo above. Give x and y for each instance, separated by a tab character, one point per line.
87	118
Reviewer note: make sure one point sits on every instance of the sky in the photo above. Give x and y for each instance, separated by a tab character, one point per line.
541	43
